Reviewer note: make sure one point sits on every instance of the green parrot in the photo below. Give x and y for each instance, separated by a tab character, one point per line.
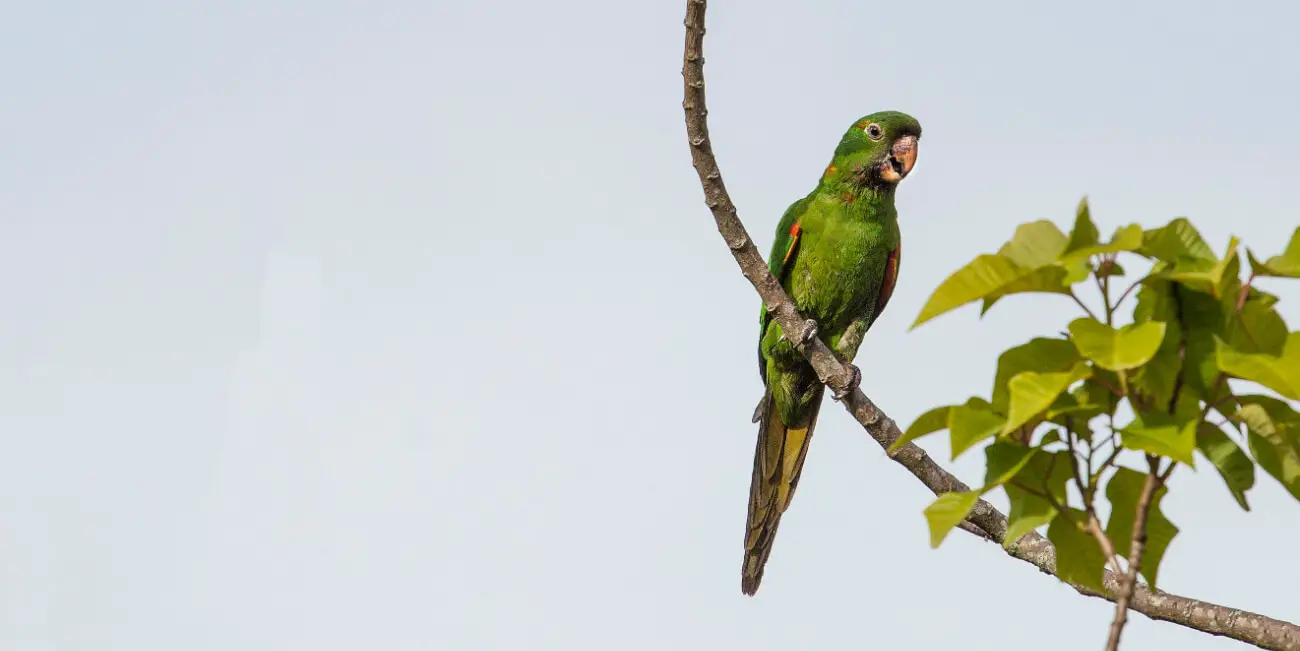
836	254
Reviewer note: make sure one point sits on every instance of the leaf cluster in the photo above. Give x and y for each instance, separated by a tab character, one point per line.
1068	413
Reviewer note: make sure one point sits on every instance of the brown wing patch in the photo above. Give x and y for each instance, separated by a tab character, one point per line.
889	280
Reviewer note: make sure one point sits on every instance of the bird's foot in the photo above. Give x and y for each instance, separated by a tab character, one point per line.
855	379
809	332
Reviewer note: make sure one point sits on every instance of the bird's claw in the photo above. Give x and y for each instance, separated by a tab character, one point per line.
809	332
855	379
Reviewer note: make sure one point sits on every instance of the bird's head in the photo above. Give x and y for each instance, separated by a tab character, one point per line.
876	152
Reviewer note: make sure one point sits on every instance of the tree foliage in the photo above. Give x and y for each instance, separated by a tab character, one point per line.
1202	371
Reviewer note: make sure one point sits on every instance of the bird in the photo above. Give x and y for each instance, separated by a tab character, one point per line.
836	254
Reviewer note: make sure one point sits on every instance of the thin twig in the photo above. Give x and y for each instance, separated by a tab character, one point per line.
1087	490
1137	283
1136	548
1032	548
1081	304
1103	284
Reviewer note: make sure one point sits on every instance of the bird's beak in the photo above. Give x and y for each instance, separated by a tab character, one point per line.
902	156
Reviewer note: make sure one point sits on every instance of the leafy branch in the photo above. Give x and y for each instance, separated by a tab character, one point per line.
1195	326
957	505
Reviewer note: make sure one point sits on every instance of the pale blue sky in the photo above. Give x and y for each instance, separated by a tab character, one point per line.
403	325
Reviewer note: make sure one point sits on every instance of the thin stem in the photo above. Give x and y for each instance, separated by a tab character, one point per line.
1245	292
1129	290
1087	490
1081	304
1137	547
1103	284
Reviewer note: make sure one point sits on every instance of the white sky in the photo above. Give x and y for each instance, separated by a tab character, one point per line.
403	325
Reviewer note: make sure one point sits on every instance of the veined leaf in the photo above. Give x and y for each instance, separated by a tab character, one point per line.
1044	474
1286	265
1051	280
1029	262
1032	393
1257	328
1085	233
1035	244
1123	491
986	275
1274	437
1041	355
928	423
1004	460
1207	277
1078	557
1117	350
1280	373
1126	238
971	423
1162	435
946	512
1176	240
1237	470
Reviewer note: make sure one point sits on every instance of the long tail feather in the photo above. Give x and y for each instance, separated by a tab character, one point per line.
778	462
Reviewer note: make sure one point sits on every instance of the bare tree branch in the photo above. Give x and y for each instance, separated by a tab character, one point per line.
1210	618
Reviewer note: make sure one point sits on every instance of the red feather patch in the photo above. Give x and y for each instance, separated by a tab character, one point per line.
889	280
794	240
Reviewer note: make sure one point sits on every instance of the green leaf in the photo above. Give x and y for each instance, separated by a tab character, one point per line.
1078	557
1237	470
1027	263
1286	265
984	276
1051	280
1203	317
928	423
1004	460
1045	473
1127	238
1162	435
1041	355
1076	270
1035	244
946	512
1086	401
971	423
1257	328
1158	377
1085	233
1207	277
1117	350
1176	240
1124	491
1032	393
1274	438
1280	373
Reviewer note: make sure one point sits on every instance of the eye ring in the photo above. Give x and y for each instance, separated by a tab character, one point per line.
874	131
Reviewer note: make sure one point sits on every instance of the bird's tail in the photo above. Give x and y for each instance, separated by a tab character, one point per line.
778	460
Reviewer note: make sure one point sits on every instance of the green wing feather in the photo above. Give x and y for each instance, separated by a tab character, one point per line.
779	262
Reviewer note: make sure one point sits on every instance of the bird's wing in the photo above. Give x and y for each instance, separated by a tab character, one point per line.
779	262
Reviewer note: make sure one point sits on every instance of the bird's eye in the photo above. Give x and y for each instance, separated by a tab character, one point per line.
874	131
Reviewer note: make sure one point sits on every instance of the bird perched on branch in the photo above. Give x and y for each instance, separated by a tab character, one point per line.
836	254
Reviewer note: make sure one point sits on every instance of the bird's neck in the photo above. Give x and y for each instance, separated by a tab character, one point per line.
869	202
